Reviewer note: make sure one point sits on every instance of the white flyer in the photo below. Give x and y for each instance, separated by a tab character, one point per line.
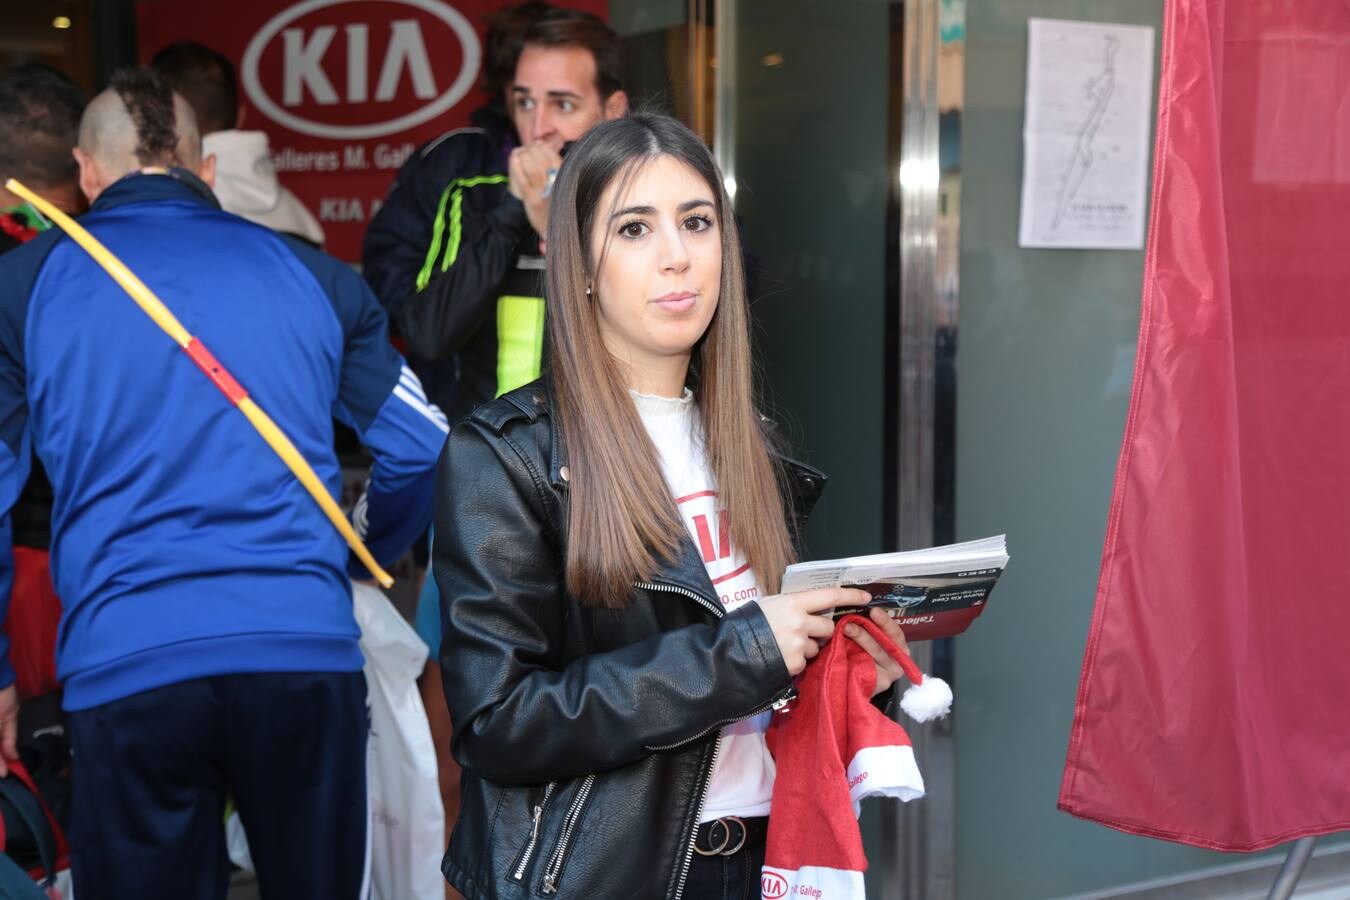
1086	135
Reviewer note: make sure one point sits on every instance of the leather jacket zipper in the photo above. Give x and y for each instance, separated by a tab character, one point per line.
776	703
786	696
528	850
693	832
707	604
555	862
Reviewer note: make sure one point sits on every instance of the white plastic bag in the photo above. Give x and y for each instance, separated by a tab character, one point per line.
407	836
407	821
236	842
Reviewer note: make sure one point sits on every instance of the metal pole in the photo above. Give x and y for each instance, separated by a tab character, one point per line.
905	827
724	92
1292	870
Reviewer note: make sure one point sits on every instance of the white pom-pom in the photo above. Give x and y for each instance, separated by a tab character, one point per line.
927	700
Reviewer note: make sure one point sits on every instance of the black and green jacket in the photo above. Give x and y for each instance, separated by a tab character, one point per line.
453	259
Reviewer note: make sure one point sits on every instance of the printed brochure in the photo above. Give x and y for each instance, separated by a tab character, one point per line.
932	593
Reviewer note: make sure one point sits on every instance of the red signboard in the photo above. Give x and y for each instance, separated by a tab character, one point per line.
345	89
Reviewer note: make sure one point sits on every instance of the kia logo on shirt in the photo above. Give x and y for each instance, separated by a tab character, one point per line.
715	544
772	885
352	69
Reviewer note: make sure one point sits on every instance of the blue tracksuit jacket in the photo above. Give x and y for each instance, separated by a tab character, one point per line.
182	546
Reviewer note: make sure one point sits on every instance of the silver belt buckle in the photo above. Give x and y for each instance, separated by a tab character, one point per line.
722	849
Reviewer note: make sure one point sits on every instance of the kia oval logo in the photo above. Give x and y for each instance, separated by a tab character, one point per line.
772	885
406	53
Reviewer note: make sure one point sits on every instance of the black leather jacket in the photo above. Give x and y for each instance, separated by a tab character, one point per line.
586	735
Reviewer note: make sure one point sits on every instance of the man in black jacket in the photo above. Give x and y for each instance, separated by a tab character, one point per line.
454	252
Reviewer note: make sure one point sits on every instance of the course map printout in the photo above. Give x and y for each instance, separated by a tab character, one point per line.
1086	136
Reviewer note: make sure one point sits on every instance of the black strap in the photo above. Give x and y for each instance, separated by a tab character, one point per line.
29	808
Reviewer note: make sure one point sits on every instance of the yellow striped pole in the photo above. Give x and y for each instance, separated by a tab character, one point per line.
219	375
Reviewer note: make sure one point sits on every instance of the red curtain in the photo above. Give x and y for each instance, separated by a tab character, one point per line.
1214	706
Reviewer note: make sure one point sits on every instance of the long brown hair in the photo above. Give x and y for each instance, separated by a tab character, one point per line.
622	520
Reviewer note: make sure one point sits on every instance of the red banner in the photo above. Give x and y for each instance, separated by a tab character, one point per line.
1212	709
345	89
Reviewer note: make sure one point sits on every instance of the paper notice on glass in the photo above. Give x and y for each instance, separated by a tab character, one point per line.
1086	137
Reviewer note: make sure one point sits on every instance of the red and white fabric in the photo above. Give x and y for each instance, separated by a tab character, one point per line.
1211	707
833	748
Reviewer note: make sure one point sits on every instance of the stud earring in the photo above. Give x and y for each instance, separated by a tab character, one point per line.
589	291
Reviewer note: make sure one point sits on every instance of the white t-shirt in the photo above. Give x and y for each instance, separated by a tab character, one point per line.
742	779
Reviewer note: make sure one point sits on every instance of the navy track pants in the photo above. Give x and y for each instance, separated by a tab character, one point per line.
153	771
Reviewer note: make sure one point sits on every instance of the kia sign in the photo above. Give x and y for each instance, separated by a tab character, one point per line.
346	90
405	52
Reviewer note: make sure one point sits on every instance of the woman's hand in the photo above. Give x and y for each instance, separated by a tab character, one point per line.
888	670
797	626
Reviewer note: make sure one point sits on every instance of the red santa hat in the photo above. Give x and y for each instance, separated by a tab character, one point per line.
832	749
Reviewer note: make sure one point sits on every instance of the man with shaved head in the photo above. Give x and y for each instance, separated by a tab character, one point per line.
137	123
208	647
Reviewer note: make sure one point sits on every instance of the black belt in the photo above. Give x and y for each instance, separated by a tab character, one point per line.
729	835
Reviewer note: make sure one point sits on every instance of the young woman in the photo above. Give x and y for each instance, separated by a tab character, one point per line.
608	544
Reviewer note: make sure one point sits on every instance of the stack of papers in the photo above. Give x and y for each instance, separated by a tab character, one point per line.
932	593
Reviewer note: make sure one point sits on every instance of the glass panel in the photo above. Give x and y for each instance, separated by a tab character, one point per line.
810	166
669	61
808	150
